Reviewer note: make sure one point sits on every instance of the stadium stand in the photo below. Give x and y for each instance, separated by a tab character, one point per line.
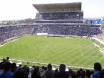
14	31
59	19
55	29
68	29
101	36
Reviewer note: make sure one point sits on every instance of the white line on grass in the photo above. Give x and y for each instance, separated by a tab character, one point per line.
91	47
80	48
45	63
102	53
44	49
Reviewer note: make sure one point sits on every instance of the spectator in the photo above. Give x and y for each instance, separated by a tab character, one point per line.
7	73
36	73
27	69
97	68
42	71
32	69
20	73
13	67
56	70
49	73
73	75
88	73
1	68
4	60
101	74
62	73
7	60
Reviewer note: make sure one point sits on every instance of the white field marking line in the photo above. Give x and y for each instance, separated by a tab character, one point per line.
57	53
92	56
102	53
92	50
99	50
46	62
44	49
90	45
80	48
87	57
82	60
63	51
74	53
92	53
8	42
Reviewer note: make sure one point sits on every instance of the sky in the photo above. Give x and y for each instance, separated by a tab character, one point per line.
22	9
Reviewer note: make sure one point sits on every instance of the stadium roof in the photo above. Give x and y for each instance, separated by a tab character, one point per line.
58	7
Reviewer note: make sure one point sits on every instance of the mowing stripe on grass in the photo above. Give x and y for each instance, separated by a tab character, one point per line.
80	48
44	49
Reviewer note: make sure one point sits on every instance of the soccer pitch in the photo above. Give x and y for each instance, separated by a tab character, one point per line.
79	52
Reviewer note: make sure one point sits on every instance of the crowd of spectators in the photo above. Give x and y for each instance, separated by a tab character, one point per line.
14	31
60	16
61	23
59	29
55	29
101	36
11	70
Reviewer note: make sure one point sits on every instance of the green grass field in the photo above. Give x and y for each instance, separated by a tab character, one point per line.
70	51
